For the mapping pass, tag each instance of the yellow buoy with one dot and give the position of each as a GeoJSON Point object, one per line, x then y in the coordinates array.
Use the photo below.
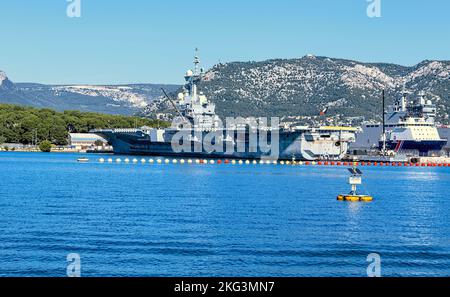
{"type": "Point", "coordinates": [366, 199]}
{"type": "Point", "coordinates": [190, 161]}
{"type": "Point", "coordinates": [182, 161]}
{"type": "Point", "coordinates": [355, 198]}
{"type": "Point", "coordinates": [110, 160]}
{"type": "Point", "coordinates": [151, 161]}
{"type": "Point", "coordinates": [159, 161]}
{"type": "Point", "coordinates": [254, 162]}
{"type": "Point", "coordinates": [354, 180]}
{"type": "Point", "coordinates": [351, 198]}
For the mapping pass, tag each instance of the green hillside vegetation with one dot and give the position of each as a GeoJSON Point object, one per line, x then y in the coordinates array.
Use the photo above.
{"type": "Point", "coordinates": [27, 125]}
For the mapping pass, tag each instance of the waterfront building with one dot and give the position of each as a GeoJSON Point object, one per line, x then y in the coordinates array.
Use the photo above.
{"type": "Point", "coordinates": [84, 141]}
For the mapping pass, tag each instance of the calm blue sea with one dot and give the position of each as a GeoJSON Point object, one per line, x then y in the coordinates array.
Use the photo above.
{"type": "Point", "coordinates": [218, 220]}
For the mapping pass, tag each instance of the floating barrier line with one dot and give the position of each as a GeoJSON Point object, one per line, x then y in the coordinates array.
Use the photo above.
{"type": "Point", "coordinates": [252, 162]}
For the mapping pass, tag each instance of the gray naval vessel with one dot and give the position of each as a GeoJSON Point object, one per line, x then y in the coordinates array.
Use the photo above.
{"type": "Point", "coordinates": [408, 129]}
{"type": "Point", "coordinates": [197, 121]}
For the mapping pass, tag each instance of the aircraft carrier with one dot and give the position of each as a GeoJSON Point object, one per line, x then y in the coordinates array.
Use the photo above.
{"type": "Point", "coordinates": [197, 121]}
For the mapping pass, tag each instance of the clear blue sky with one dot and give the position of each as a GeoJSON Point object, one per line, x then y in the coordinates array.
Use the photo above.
{"type": "Point", "coordinates": [153, 41]}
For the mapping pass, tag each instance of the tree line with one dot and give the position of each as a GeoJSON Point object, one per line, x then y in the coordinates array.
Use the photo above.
{"type": "Point", "coordinates": [28, 125]}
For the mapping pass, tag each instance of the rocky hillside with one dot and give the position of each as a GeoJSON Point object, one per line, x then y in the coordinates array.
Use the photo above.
{"type": "Point", "coordinates": [307, 85]}
{"type": "Point", "coordinates": [120, 99]}
{"type": "Point", "coordinates": [5, 83]}
{"type": "Point", "coordinates": [303, 87]}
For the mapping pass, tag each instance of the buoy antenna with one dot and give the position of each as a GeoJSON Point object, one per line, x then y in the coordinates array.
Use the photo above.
{"type": "Point", "coordinates": [354, 180]}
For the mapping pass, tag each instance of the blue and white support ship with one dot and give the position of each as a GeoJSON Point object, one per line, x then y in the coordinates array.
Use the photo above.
{"type": "Point", "coordinates": [410, 130]}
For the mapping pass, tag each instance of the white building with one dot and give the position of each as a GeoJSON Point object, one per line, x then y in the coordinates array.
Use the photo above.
{"type": "Point", "coordinates": [83, 141]}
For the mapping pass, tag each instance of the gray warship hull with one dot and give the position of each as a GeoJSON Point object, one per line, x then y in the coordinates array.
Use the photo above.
{"type": "Point", "coordinates": [297, 145]}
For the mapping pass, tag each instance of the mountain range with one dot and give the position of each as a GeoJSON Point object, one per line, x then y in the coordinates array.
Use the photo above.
{"type": "Point", "coordinates": [287, 88]}
{"type": "Point", "coordinates": [112, 99]}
